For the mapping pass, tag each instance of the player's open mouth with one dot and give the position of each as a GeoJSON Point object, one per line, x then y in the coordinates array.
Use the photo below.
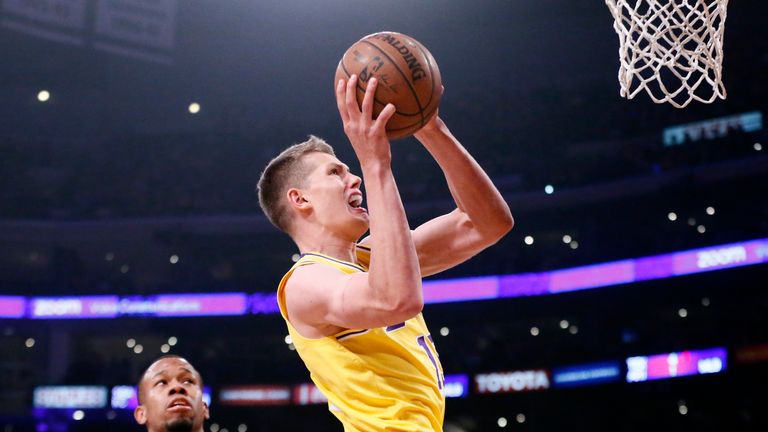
{"type": "Point", "coordinates": [355, 202]}
{"type": "Point", "coordinates": [179, 405]}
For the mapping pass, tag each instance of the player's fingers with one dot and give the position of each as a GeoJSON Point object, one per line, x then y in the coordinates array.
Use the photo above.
{"type": "Point", "coordinates": [351, 96]}
{"type": "Point", "coordinates": [340, 104]}
{"type": "Point", "coordinates": [384, 116]}
{"type": "Point", "coordinates": [370, 91]}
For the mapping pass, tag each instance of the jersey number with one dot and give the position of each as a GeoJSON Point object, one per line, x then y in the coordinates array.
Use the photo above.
{"type": "Point", "coordinates": [432, 357]}
{"type": "Point", "coordinates": [422, 341]}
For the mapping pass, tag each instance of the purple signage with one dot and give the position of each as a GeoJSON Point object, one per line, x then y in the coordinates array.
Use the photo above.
{"type": "Point", "coordinates": [73, 307]}
{"type": "Point", "coordinates": [435, 291]}
{"type": "Point", "coordinates": [12, 307]}
{"type": "Point", "coordinates": [201, 304]}
{"type": "Point", "coordinates": [450, 290]}
{"type": "Point", "coordinates": [264, 304]}
{"type": "Point", "coordinates": [161, 305]}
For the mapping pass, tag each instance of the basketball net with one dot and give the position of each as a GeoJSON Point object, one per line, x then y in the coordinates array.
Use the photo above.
{"type": "Point", "coordinates": [672, 49]}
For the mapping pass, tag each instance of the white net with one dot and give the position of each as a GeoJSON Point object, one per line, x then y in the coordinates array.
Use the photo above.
{"type": "Point", "coordinates": [672, 49]}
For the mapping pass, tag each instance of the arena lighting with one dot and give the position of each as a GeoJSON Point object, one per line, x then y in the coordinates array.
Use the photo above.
{"type": "Point", "coordinates": [43, 96]}
{"type": "Point", "coordinates": [601, 275]}
{"type": "Point", "coordinates": [672, 216]}
{"type": "Point", "coordinates": [757, 146]}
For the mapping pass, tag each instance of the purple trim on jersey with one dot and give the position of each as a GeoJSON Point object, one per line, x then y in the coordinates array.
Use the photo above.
{"type": "Point", "coordinates": [395, 327]}
{"type": "Point", "coordinates": [355, 266]}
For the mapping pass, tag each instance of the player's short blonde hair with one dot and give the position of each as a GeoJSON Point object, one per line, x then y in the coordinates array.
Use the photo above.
{"type": "Point", "coordinates": [286, 171]}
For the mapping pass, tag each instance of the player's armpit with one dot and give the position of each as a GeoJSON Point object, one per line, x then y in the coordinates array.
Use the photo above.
{"type": "Point", "coordinates": [322, 301]}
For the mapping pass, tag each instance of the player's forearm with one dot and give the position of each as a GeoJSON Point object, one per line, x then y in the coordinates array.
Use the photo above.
{"type": "Point", "coordinates": [394, 274]}
{"type": "Point", "coordinates": [472, 189]}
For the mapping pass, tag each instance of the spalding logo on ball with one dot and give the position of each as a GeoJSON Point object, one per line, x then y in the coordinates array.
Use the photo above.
{"type": "Point", "coordinates": [408, 78]}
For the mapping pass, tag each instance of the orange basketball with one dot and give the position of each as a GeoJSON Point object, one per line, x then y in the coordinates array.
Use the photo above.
{"type": "Point", "coordinates": [408, 78]}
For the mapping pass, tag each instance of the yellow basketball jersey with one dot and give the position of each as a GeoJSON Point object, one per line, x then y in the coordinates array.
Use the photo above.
{"type": "Point", "coordinates": [377, 379]}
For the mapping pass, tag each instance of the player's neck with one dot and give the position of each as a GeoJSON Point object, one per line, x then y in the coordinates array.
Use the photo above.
{"type": "Point", "coordinates": [334, 247]}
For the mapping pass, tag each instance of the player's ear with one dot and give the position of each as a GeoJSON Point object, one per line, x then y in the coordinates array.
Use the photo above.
{"type": "Point", "coordinates": [140, 414]}
{"type": "Point", "coordinates": [206, 411]}
{"type": "Point", "coordinates": [297, 199]}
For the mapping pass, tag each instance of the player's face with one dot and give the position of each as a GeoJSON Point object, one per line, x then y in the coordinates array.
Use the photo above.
{"type": "Point", "coordinates": [172, 397]}
{"type": "Point", "coordinates": [335, 196]}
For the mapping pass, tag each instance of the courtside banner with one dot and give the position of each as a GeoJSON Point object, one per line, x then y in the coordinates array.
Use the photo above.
{"type": "Point", "coordinates": [586, 374]}
{"type": "Point", "coordinates": [752, 354]}
{"type": "Point", "coordinates": [254, 395]}
{"type": "Point", "coordinates": [512, 382]}
{"type": "Point", "coordinates": [308, 394]}
{"type": "Point", "coordinates": [456, 386]}
{"type": "Point", "coordinates": [671, 365]}
{"type": "Point", "coordinates": [70, 397]}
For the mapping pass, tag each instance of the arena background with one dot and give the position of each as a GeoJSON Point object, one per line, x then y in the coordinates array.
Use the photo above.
{"type": "Point", "coordinates": [118, 193]}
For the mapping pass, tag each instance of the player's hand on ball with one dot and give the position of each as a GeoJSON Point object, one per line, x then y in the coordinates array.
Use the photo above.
{"type": "Point", "coordinates": [434, 124]}
{"type": "Point", "coordinates": [367, 135]}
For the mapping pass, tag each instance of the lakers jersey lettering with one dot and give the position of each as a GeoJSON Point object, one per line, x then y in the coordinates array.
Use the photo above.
{"type": "Point", "coordinates": [377, 379]}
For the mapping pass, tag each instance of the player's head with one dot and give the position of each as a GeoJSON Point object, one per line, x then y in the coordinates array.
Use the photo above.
{"type": "Point", "coordinates": [307, 184]}
{"type": "Point", "coordinates": [171, 397]}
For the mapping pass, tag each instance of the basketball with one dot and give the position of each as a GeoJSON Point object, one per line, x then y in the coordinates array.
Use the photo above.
{"type": "Point", "coordinates": [408, 78]}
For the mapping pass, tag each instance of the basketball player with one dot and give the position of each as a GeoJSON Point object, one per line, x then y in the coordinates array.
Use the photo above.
{"type": "Point", "coordinates": [353, 308]}
{"type": "Point", "coordinates": [171, 397]}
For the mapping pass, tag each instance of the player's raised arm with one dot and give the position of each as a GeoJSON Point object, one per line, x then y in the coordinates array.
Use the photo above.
{"type": "Point", "coordinates": [481, 216]}
{"type": "Point", "coordinates": [390, 291]}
